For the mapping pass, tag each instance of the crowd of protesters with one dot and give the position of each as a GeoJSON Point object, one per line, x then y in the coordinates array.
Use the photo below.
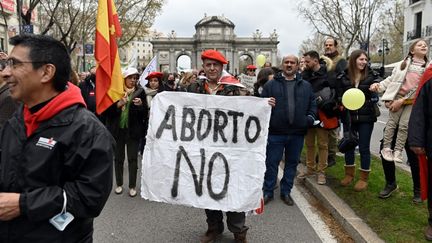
{"type": "Point", "coordinates": [305, 93]}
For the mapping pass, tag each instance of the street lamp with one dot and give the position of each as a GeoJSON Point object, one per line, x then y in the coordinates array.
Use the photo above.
{"type": "Point", "coordinates": [384, 51]}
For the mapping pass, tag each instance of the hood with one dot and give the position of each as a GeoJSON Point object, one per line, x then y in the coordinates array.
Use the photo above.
{"type": "Point", "coordinates": [71, 96]}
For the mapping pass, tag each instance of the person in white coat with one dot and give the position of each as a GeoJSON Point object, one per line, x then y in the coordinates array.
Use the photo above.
{"type": "Point", "coordinates": [399, 90]}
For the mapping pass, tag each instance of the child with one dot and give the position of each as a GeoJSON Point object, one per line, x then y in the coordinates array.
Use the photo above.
{"type": "Point", "coordinates": [399, 90]}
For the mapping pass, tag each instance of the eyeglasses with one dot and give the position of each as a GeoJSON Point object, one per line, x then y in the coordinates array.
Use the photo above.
{"type": "Point", "coordinates": [13, 63]}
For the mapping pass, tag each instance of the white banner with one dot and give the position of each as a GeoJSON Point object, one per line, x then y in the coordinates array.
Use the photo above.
{"type": "Point", "coordinates": [248, 81]}
{"type": "Point", "coordinates": [206, 151]}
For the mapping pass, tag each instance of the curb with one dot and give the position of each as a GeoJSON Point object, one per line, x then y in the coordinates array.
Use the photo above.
{"type": "Point", "coordinates": [345, 216]}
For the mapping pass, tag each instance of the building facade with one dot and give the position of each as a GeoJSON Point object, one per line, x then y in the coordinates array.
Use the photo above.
{"type": "Point", "coordinates": [418, 22]}
{"type": "Point", "coordinates": [214, 32]}
{"type": "Point", "coordinates": [10, 23]}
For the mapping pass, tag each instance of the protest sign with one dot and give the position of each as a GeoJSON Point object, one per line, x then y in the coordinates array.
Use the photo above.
{"type": "Point", "coordinates": [206, 151]}
{"type": "Point", "coordinates": [248, 81]}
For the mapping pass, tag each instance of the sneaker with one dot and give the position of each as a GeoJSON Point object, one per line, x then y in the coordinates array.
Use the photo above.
{"type": "Point", "coordinates": [118, 190]}
{"type": "Point", "coordinates": [388, 190]}
{"type": "Point", "coordinates": [305, 173]}
{"type": "Point", "coordinates": [321, 179]}
{"type": "Point", "coordinates": [132, 192]}
{"type": "Point", "coordinates": [387, 154]}
{"type": "Point", "coordinates": [397, 156]}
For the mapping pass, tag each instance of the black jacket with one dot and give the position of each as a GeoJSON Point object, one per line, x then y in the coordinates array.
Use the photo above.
{"type": "Point", "coordinates": [419, 128]}
{"type": "Point", "coordinates": [367, 112]}
{"type": "Point", "coordinates": [305, 106]}
{"type": "Point", "coordinates": [88, 92]}
{"type": "Point", "coordinates": [71, 151]}
{"type": "Point", "coordinates": [138, 116]}
{"type": "Point", "coordinates": [317, 79]}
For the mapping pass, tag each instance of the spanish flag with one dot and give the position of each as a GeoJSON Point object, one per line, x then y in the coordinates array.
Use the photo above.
{"type": "Point", "coordinates": [109, 80]}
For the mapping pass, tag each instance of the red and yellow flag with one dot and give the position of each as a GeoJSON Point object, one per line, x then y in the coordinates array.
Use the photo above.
{"type": "Point", "coordinates": [109, 80]}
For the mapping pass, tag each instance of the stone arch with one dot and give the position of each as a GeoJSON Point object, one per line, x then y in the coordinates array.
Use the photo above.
{"type": "Point", "coordinates": [213, 32]}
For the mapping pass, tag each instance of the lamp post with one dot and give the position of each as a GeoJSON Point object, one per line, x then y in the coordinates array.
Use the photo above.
{"type": "Point", "coordinates": [384, 51]}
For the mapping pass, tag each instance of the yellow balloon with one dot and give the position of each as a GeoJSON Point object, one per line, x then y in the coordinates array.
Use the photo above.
{"type": "Point", "coordinates": [260, 60]}
{"type": "Point", "coordinates": [353, 99]}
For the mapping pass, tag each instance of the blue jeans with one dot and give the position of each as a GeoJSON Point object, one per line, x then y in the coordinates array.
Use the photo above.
{"type": "Point", "coordinates": [364, 130]}
{"type": "Point", "coordinates": [276, 144]}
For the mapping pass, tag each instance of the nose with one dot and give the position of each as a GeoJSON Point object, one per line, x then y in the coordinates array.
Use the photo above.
{"type": "Point", "coordinates": [6, 72]}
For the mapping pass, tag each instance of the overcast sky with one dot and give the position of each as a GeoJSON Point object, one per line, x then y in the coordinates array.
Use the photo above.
{"type": "Point", "coordinates": [247, 16]}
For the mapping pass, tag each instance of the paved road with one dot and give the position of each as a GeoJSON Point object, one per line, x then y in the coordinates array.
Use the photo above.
{"type": "Point", "coordinates": [131, 220]}
{"type": "Point", "coordinates": [126, 219]}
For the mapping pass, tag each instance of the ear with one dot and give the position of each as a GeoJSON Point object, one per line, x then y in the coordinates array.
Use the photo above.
{"type": "Point", "coordinates": [48, 72]}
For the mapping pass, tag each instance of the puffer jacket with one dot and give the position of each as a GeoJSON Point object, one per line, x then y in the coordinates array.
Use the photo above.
{"type": "Point", "coordinates": [305, 106]}
{"type": "Point", "coordinates": [367, 112]}
{"type": "Point", "coordinates": [73, 152]}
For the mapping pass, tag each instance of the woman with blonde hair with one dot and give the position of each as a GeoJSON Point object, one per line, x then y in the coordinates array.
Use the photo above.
{"type": "Point", "coordinates": [187, 79]}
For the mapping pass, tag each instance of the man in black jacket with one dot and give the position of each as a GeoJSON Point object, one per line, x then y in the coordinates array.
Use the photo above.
{"type": "Point", "coordinates": [56, 159]}
{"type": "Point", "coordinates": [316, 74]}
{"type": "Point", "coordinates": [338, 65]}
{"type": "Point", "coordinates": [294, 109]}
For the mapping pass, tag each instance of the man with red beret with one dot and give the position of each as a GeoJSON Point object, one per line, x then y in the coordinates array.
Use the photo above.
{"type": "Point", "coordinates": [251, 70]}
{"type": "Point", "coordinates": [215, 84]}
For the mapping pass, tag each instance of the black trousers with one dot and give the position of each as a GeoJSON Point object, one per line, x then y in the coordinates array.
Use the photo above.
{"type": "Point", "coordinates": [390, 168]}
{"type": "Point", "coordinates": [235, 220]}
{"type": "Point", "coordinates": [124, 140]}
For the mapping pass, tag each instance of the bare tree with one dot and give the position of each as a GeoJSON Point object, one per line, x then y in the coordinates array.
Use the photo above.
{"type": "Point", "coordinates": [391, 29]}
{"type": "Point", "coordinates": [350, 21]}
{"type": "Point", "coordinates": [27, 11]}
{"type": "Point", "coordinates": [72, 21]}
{"type": "Point", "coordinates": [316, 43]}
{"type": "Point", "coordinates": [136, 17]}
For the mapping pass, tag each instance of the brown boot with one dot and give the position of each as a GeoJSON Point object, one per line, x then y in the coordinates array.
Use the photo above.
{"type": "Point", "coordinates": [362, 183]}
{"type": "Point", "coordinates": [349, 175]}
{"type": "Point", "coordinates": [240, 237]}
{"type": "Point", "coordinates": [212, 233]}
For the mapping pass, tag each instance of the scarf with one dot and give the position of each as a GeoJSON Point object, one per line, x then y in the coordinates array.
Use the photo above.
{"type": "Point", "coordinates": [124, 117]}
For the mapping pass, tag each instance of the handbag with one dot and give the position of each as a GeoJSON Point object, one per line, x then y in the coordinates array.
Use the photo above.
{"type": "Point", "coordinates": [349, 142]}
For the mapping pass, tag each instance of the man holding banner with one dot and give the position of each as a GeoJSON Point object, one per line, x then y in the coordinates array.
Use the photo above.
{"type": "Point", "coordinates": [294, 111]}
{"type": "Point", "coordinates": [208, 151]}
{"type": "Point", "coordinates": [213, 62]}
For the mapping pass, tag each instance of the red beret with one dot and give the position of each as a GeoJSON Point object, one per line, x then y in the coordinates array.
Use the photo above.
{"type": "Point", "coordinates": [213, 55]}
{"type": "Point", "coordinates": [158, 75]}
{"type": "Point", "coordinates": [251, 67]}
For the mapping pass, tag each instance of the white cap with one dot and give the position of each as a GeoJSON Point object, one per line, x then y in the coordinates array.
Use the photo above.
{"type": "Point", "coordinates": [129, 71]}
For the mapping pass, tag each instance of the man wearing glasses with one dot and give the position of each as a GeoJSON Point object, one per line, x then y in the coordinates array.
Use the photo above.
{"type": "Point", "coordinates": [56, 157]}
{"type": "Point", "coordinates": [7, 104]}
